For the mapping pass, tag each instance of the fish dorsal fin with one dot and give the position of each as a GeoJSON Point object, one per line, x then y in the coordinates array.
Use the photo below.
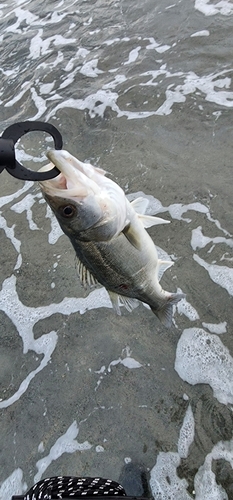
{"type": "Point", "coordinates": [151, 220]}
{"type": "Point", "coordinates": [140, 205]}
{"type": "Point", "coordinates": [117, 300]}
{"type": "Point", "coordinates": [85, 276]}
{"type": "Point", "coordinates": [163, 265]}
{"type": "Point", "coordinates": [132, 236]}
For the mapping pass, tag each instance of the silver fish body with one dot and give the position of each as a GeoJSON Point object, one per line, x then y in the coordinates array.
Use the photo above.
{"type": "Point", "coordinates": [109, 236]}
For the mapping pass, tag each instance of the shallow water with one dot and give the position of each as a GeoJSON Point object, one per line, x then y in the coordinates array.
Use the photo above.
{"type": "Point", "coordinates": [144, 91]}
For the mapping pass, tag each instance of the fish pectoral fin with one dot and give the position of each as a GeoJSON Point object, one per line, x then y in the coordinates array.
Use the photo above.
{"type": "Point", "coordinates": [117, 300]}
{"type": "Point", "coordinates": [140, 205]}
{"type": "Point", "coordinates": [163, 265]}
{"type": "Point", "coordinates": [132, 236]}
{"type": "Point", "coordinates": [165, 312]}
{"type": "Point", "coordinates": [85, 276]}
{"type": "Point", "coordinates": [151, 220]}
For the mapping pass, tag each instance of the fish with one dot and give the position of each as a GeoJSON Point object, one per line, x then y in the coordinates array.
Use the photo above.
{"type": "Point", "coordinates": [109, 235]}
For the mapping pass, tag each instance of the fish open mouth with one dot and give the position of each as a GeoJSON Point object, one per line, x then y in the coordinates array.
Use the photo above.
{"type": "Point", "coordinates": [60, 182]}
{"type": "Point", "coordinates": [74, 181]}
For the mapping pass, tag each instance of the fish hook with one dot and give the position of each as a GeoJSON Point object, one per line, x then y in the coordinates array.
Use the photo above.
{"type": "Point", "coordinates": [7, 151]}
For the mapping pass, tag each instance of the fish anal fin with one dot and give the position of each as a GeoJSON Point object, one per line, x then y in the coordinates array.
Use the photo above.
{"type": "Point", "coordinates": [129, 303]}
{"type": "Point", "coordinates": [140, 205]}
{"type": "Point", "coordinates": [165, 312]}
{"type": "Point", "coordinates": [163, 265]}
{"type": "Point", "coordinates": [85, 276]}
{"type": "Point", "coordinates": [132, 236]}
{"type": "Point", "coordinates": [151, 220]}
{"type": "Point", "coordinates": [114, 297]}
{"type": "Point", "coordinates": [118, 300]}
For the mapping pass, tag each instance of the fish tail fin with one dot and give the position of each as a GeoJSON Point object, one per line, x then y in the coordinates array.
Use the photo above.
{"type": "Point", "coordinates": [165, 312]}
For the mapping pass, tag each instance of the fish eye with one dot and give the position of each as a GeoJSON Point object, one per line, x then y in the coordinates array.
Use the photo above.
{"type": "Point", "coordinates": [67, 210]}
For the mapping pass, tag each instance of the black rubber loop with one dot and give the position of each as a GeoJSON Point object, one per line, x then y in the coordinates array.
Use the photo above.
{"type": "Point", "coordinates": [7, 154]}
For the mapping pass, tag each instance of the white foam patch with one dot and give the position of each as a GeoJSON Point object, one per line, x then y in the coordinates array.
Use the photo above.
{"type": "Point", "coordinates": [99, 449]}
{"type": "Point", "coordinates": [40, 47]}
{"type": "Point", "coordinates": [164, 481]}
{"type": "Point", "coordinates": [225, 257]}
{"type": "Point", "coordinates": [218, 328]}
{"type": "Point", "coordinates": [205, 484]}
{"type": "Point", "coordinates": [177, 210]}
{"type": "Point", "coordinates": [80, 54]}
{"type": "Point", "coordinates": [67, 443]}
{"type": "Point", "coordinates": [223, 7]}
{"type": "Point", "coordinates": [97, 104]}
{"type": "Point", "coordinates": [200, 33]}
{"type": "Point", "coordinates": [55, 231]}
{"type": "Point", "coordinates": [39, 103]}
{"type": "Point", "coordinates": [24, 318]}
{"type": "Point", "coordinates": [184, 307]}
{"type": "Point", "coordinates": [25, 86]}
{"type": "Point", "coordinates": [13, 485]}
{"type": "Point", "coordinates": [22, 156]}
{"type": "Point", "coordinates": [10, 233]}
{"type": "Point", "coordinates": [186, 436]}
{"type": "Point", "coordinates": [198, 239]}
{"type": "Point", "coordinates": [4, 200]}
{"type": "Point", "coordinates": [112, 41]}
{"type": "Point", "coordinates": [90, 69]}
{"type": "Point", "coordinates": [221, 275]}
{"type": "Point", "coordinates": [41, 447]}
{"type": "Point", "coordinates": [156, 46]}
{"type": "Point", "coordinates": [114, 83]}
{"type": "Point", "coordinates": [26, 205]}
{"type": "Point", "coordinates": [201, 358]}
{"type": "Point", "coordinates": [133, 55]}
{"type": "Point", "coordinates": [22, 15]}
{"type": "Point", "coordinates": [215, 86]}
{"type": "Point", "coordinates": [125, 359]}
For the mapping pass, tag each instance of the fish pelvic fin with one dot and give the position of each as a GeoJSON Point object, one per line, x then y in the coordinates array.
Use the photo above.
{"type": "Point", "coordinates": [165, 312]}
{"type": "Point", "coordinates": [118, 300]}
{"type": "Point", "coordinates": [163, 265]}
{"type": "Point", "coordinates": [85, 276]}
{"type": "Point", "coordinates": [132, 236]}
{"type": "Point", "coordinates": [151, 220]}
{"type": "Point", "coordinates": [140, 205]}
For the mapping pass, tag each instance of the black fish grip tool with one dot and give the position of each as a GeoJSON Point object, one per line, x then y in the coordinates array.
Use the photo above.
{"type": "Point", "coordinates": [7, 150]}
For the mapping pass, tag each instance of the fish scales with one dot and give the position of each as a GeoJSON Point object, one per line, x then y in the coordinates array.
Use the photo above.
{"type": "Point", "coordinates": [102, 260]}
